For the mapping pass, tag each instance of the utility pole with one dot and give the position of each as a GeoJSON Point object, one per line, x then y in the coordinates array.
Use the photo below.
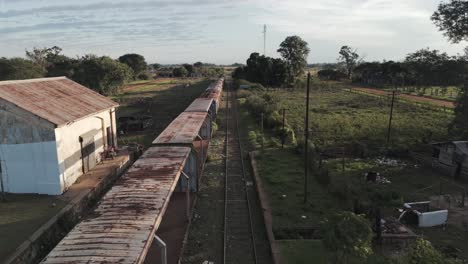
{"type": "Point", "coordinates": [306, 141]}
{"type": "Point", "coordinates": [284, 122]}
{"type": "Point", "coordinates": [264, 39]}
{"type": "Point", "coordinates": [390, 119]}
{"type": "Point", "coordinates": [261, 127]}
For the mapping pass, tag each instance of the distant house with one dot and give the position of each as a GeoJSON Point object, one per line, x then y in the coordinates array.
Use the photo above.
{"type": "Point", "coordinates": [451, 157]}
{"type": "Point", "coordinates": [52, 130]}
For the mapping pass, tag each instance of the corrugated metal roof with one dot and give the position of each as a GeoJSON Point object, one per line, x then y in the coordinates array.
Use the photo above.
{"type": "Point", "coordinates": [122, 227]}
{"type": "Point", "coordinates": [200, 105]}
{"type": "Point", "coordinates": [58, 100]}
{"type": "Point", "coordinates": [182, 130]}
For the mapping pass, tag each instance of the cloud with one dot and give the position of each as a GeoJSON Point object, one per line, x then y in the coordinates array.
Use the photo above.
{"type": "Point", "coordinates": [227, 30]}
{"type": "Point", "coordinates": [111, 5]}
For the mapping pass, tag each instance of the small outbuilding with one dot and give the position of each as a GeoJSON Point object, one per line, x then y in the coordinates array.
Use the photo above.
{"type": "Point", "coordinates": [451, 157]}
{"type": "Point", "coordinates": [52, 130]}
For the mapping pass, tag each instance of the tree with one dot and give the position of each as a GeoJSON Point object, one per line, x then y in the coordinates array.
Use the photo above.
{"type": "Point", "coordinates": [198, 64]}
{"type": "Point", "coordinates": [452, 18]}
{"type": "Point", "coordinates": [60, 65]}
{"type": "Point", "coordinates": [39, 56]}
{"type": "Point", "coordinates": [459, 127]}
{"type": "Point", "coordinates": [102, 74]}
{"type": "Point", "coordinates": [136, 62]}
{"type": "Point", "coordinates": [425, 65]}
{"type": "Point", "coordinates": [347, 234]}
{"type": "Point", "coordinates": [294, 51]}
{"type": "Point", "coordinates": [180, 72]}
{"type": "Point", "coordinates": [265, 70]}
{"type": "Point", "coordinates": [423, 252]}
{"type": "Point", "coordinates": [189, 68]}
{"type": "Point", "coordinates": [156, 66]}
{"type": "Point", "coordinates": [19, 69]}
{"type": "Point", "coordinates": [350, 59]}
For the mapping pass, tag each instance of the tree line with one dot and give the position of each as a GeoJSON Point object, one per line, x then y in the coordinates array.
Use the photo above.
{"type": "Point", "coordinates": [274, 71]}
{"type": "Point", "coordinates": [198, 69]}
{"type": "Point", "coordinates": [100, 73]}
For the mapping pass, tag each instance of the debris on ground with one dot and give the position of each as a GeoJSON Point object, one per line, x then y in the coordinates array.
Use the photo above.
{"type": "Point", "coordinates": [376, 178]}
{"type": "Point", "coordinates": [391, 162]}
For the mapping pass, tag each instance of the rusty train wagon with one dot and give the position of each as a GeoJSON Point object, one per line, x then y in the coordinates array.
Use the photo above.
{"type": "Point", "coordinates": [214, 91]}
{"type": "Point", "coordinates": [204, 105]}
{"type": "Point", "coordinates": [193, 130]}
{"type": "Point", "coordinates": [123, 226]}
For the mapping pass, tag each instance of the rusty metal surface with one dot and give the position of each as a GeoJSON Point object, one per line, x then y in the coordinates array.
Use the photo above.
{"type": "Point", "coordinates": [121, 228]}
{"type": "Point", "coordinates": [184, 129]}
{"type": "Point", "coordinates": [200, 105]}
{"type": "Point", "coordinates": [214, 91]}
{"type": "Point", "coordinates": [57, 100]}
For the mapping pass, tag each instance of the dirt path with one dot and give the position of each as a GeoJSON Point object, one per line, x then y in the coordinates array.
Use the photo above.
{"type": "Point", "coordinates": [415, 98]}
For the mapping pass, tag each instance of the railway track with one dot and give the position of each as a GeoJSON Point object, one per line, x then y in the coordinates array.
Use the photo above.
{"type": "Point", "coordinates": [239, 237]}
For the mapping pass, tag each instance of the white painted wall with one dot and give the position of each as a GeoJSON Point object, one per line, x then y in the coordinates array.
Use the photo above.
{"type": "Point", "coordinates": [69, 149]}
{"type": "Point", "coordinates": [30, 168]}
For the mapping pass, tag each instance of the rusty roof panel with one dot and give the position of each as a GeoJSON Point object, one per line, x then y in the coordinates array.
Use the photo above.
{"type": "Point", "coordinates": [182, 130]}
{"type": "Point", "coordinates": [121, 228]}
{"type": "Point", "coordinates": [58, 100]}
{"type": "Point", "coordinates": [200, 105]}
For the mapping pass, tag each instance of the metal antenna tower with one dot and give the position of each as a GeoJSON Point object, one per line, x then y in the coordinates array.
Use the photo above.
{"type": "Point", "coordinates": [264, 39]}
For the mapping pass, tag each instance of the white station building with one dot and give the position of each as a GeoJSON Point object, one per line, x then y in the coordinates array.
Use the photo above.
{"type": "Point", "coordinates": [52, 130]}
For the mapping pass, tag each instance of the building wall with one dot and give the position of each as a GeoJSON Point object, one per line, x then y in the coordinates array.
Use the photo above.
{"type": "Point", "coordinates": [28, 156]}
{"type": "Point", "coordinates": [69, 147]}
{"type": "Point", "coordinates": [30, 168]}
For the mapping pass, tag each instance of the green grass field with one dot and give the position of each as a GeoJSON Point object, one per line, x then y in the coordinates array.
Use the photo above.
{"type": "Point", "coordinates": [339, 118]}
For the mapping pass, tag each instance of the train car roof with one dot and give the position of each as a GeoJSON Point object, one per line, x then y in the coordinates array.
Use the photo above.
{"type": "Point", "coordinates": [182, 130]}
{"type": "Point", "coordinates": [122, 227]}
{"type": "Point", "coordinates": [200, 105]}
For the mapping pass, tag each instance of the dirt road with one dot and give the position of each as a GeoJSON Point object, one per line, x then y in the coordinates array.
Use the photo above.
{"type": "Point", "coordinates": [415, 98]}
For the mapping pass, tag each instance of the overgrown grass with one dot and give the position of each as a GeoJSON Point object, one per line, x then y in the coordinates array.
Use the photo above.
{"type": "Point", "coordinates": [304, 251]}
{"type": "Point", "coordinates": [339, 118]}
{"type": "Point", "coordinates": [163, 99]}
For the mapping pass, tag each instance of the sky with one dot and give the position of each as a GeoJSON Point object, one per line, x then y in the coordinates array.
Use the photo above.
{"type": "Point", "coordinates": [220, 31]}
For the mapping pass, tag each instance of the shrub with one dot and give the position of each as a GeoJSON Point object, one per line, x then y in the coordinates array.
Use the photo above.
{"type": "Point", "coordinates": [214, 126]}
{"type": "Point", "coordinates": [348, 235]}
{"type": "Point", "coordinates": [253, 138]}
{"type": "Point", "coordinates": [143, 76]}
{"type": "Point", "coordinates": [423, 252]}
{"type": "Point", "coordinates": [287, 135]}
{"type": "Point", "coordinates": [243, 93]}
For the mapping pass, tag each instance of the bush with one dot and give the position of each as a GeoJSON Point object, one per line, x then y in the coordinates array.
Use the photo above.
{"type": "Point", "coordinates": [214, 126]}
{"type": "Point", "coordinates": [348, 235]}
{"type": "Point", "coordinates": [143, 76]}
{"type": "Point", "coordinates": [253, 138]}
{"type": "Point", "coordinates": [243, 93]}
{"type": "Point", "coordinates": [423, 252]}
